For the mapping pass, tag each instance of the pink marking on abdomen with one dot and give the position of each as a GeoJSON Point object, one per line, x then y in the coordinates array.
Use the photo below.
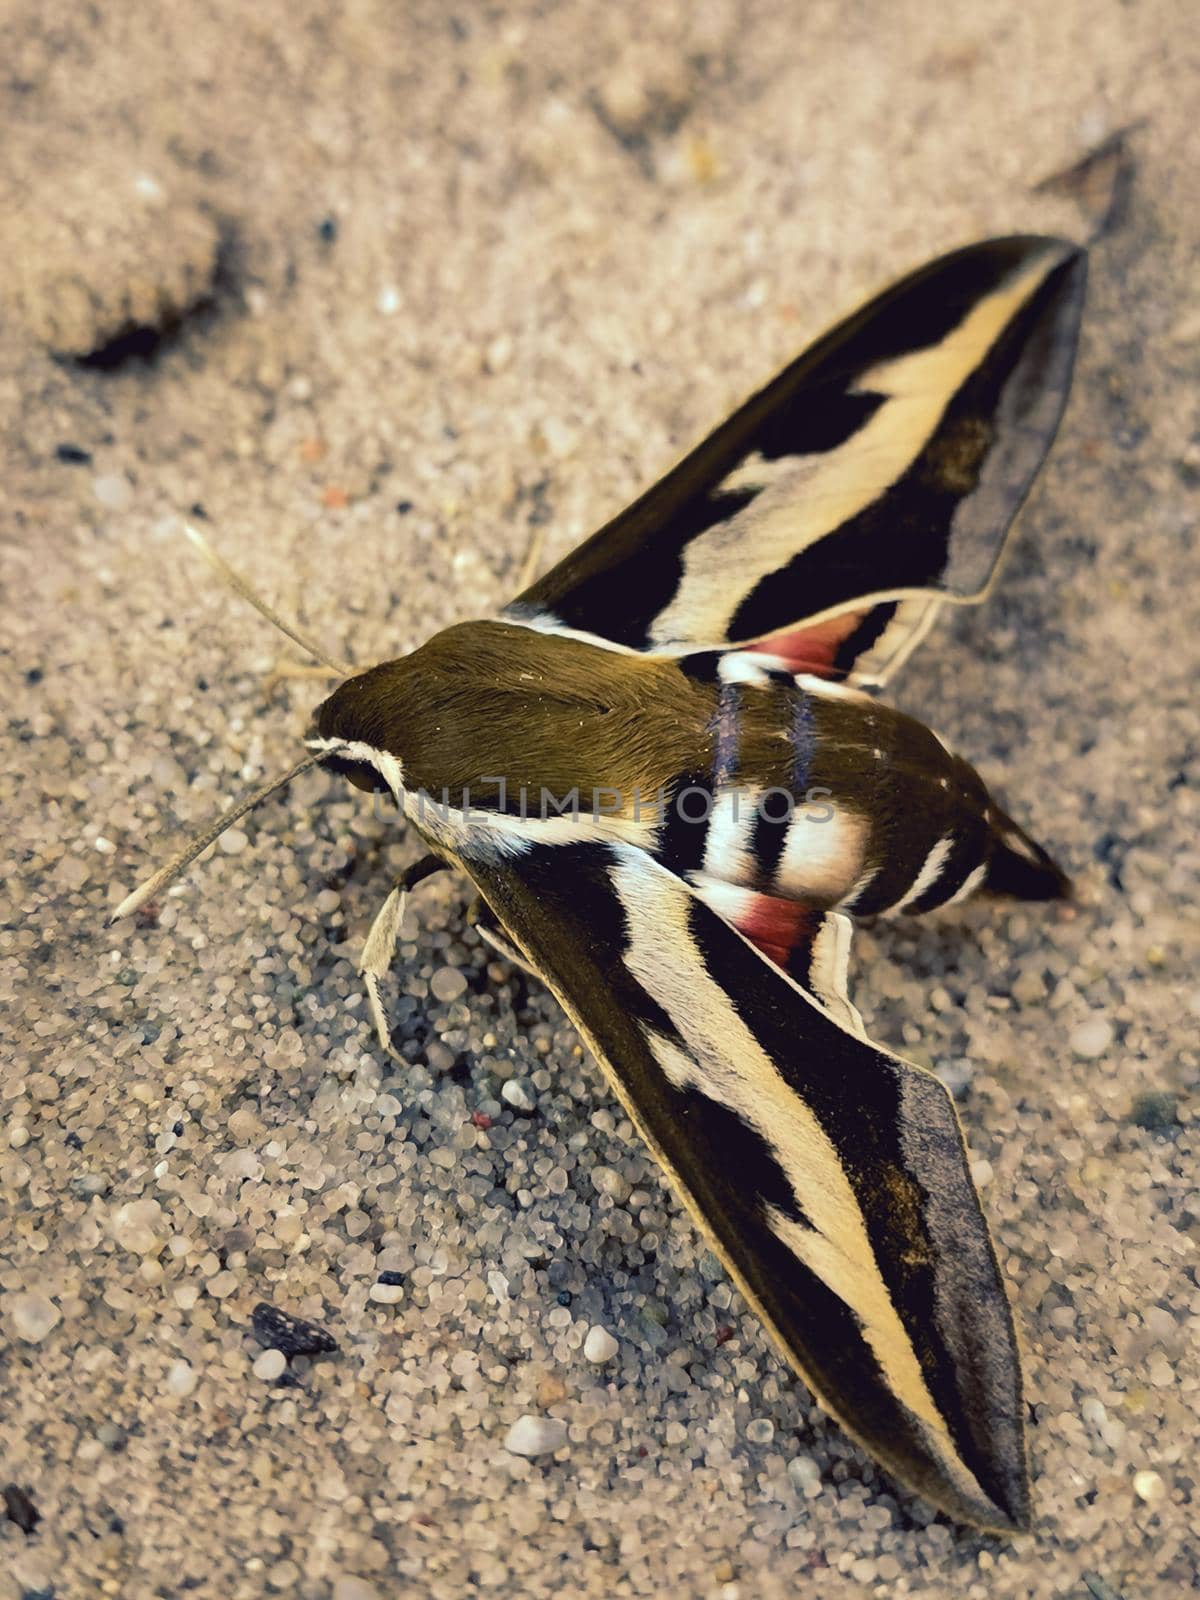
{"type": "Point", "coordinates": [812, 649]}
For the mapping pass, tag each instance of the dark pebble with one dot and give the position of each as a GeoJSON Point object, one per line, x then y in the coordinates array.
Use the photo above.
{"type": "Point", "coordinates": [1154, 1111]}
{"type": "Point", "coordinates": [34, 676]}
{"type": "Point", "coordinates": [276, 1330]}
{"type": "Point", "coordinates": [563, 1297]}
{"type": "Point", "coordinates": [391, 1278]}
{"type": "Point", "coordinates": [73, 455]}
{"type": "Point", "coordinates": [19, 1508]}
{"type": "Point", "coordinates": [328, 230]}
{"type": "Point", "coordinates": [404, 507]}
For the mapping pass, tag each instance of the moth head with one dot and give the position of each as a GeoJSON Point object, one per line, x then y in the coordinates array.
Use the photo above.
{"type": "Point", "coordinates": [358, 732]}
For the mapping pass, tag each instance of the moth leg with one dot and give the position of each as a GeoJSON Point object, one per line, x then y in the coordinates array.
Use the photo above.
{"type": "Point", "coordinates": [482, 919]}
{"type": "Point", "coordinates": [532, 559]}
{"type": "Point", "coordinates": [380, 946]}
{"type": "Point", "coordinates": [304, 670]}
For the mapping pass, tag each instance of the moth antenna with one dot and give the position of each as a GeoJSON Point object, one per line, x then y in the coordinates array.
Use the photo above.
{"type": "Point", "coordinates": [240, 587]}
{"type": "Point", "coordinates": [200, 842]}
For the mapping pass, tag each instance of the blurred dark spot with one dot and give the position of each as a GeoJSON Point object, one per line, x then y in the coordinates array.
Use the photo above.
{"type": "Point", "coordinates": [1154, 1110]}
{"type": "Point", "coordinates": [73, 455]}
{"type": "Point", "coordinates": [327, 231]}
{"type": "Point", "coordinates": [34, 675]}
{"type": "Point", "coordinates": [1110, 849]}
{"type": "Point", "coordinates": [278, 1330]}
{"type": "Point", "coordinates": [404, 507]}
{"type": "Point", "coordinates": [391, 1278]}
{"type": "Point", "coordinates": [19, 1508]}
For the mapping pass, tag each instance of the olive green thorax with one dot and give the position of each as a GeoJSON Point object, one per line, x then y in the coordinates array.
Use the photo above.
{"type": "Point", "coordinates": [488, 700]}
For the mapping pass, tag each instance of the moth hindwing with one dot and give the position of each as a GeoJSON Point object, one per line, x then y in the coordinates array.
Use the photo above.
{"type": "Point", "coordinates": [666, 771]}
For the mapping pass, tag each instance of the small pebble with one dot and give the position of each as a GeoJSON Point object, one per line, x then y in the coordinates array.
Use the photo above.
{"type": "Point", "coordinates": [348, 1588]}
{"type": "Point", "coordinates": [181, 1379]}
{"type": "Point", "coordinates": [270, 1365]}
{"type": "Point", "coordinates": [19, 1508]}
{"type": "Point", "coordinates": [32, 1316]}
{"type": "Point", "coordinates": [608, 1181]}
{"type": "Point", "coordinates": [535, 1436]}
{"type": "Point", "coordinates": [498, 354]}
{"type": "Point", "coordinates": [113, 491]}
{"type": "Point", "coordinates": [140, 1227]}
{"type": "Point", "coordinates": [760, 1431]}
{"type": "Point", "coordinates": [447, 983]}
{"type": "Point", "coordinates": [1149, 1486]}
{"type": "Point", "coordinates": [518, 1094]}
{"type": "Point", "coordinates": [386, 1294]}
{"type": "Point", "coordinates": [278, 1330]}
{"type": "Point", "coordinates": [1092, 1038]}
{"type": "Point", "coordinates": [1154, 1111]}
{"type": "Point", "coordinates": [600, 1346]}
{"type": "Point", "coordinates": [804, 1473]}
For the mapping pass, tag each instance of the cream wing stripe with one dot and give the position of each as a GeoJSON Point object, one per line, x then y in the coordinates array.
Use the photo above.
{"type": "Point", "coordinates": [728, 1065]}
{"type": "Point", "coordinates": [823, 491]}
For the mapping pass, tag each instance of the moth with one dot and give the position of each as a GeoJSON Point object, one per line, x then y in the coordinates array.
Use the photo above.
{"type": "Point", "coordinates": [666, 768]}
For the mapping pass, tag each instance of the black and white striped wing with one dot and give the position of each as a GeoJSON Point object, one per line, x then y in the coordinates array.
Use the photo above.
{"type": "Point", "coordinates": [830, 1175]}
{"type": "Point", "coordinates": [877, 475]}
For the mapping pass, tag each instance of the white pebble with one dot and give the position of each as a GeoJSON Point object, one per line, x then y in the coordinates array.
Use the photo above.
{"type": "Point", "coordinates": [1093, 1413]}
{"type": "Point", "coordinates": [608, 1181]}
{"type": "Point", "coordinates": [181, 1379]}
{"type": "Point", "coordinates": [498, 354]}
{"type": "Point", "coordinates": [981, 1172]}
{"type": "Point", "coordinates": [139, 1226]}
{"type": "Point", "coordinates": [389, 300]}
{"type": "Point", "coordinates": [348, 1588]}
{"type": "Point", "coordinates": [498, 1284]}
{"type": "Point", "coordinates": [233, 841]}
{"type": "Point", "coordinates": [535, 1436]}
{"type": "Point", "coordinates": [760, 1431]}
{"type": "Point", "coordinates": [804, 1473]}
{"type": "Point", "coordinates": [32, 1316]}
{"type": "Point", "coordinates": [518, 1095]}
{"type": "Point", "coordinates": [599, 1346]}
{"type": "Point", "coordinates": [18, 1136]}
{"type": "Point", "coordinates": [386, 1294]}
{"type": "Point", "coordinates": [447, 983]}
{"type": "Point", "coordinates": [1148, 1486]}
{"type": "Point", "coordinates": [112, 490]}
{"type": "Point", "coordinates": [1092, 1038]}
{"type": "Point", "coordinates": [270, 1365]}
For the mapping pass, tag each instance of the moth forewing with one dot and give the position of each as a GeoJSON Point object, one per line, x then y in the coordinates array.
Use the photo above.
{"type": "Point", "coordinates": [886, 462]}
{"type": "Point", "coordinates": [829, 1176]}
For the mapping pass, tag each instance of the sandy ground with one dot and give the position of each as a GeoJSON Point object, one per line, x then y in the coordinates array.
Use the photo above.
{"type": "Point", "coordinates": [474, 272]}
